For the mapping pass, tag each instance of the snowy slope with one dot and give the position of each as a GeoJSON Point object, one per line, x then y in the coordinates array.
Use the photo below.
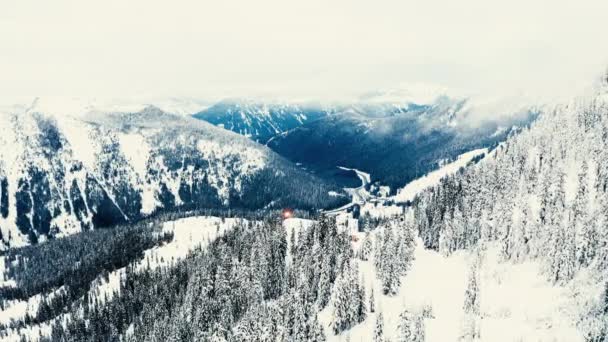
{"type": "Point", "coordinates": [409, 192]}
{"type": "Point", "coordinates": [517, 302]}
{"type": "Point", "coordinates": [539, 205]}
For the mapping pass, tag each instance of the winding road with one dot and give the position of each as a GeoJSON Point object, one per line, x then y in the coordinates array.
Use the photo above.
{"type": "Point", "coordinates": [359, 195]}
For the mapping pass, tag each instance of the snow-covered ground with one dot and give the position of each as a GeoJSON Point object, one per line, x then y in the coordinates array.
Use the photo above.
{"type": "Point", "coordinates": [380, 209]}
{"type": "Point", "coordinates": [516, 301]}
{"type": "Point", "coordinates": [413, 188]}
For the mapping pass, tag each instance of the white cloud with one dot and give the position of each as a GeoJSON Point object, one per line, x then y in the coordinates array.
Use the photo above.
{"type": "Point", "coordinates": [313, 48]}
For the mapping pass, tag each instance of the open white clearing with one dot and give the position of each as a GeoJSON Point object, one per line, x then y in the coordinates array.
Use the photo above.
{"type": "Point", "coordinates": [517, 303]}
{"type": "Point", "coordinates": [413, 188]}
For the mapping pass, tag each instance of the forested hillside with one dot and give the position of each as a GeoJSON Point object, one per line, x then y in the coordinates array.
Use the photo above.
{"type": "Point", "coordinates": [529, 218]}
{"type": "Point", "coordinates": [258, 281]}
{"type": "Point", "coordinates": [542, 195]}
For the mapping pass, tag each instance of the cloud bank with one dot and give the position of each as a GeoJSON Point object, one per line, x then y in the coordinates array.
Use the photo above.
{"type": "Point", "coordinates": [314, 48]}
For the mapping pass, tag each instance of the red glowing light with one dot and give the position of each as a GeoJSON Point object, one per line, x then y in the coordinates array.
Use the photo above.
{"type": "Point", "coordinates": [287, 213]}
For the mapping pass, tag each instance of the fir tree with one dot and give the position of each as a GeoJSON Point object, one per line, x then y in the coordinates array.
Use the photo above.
{"type": "Point", "coordinates": [404, 329]}
{"type": "Point", "coordinates": [378, 335]}
{"type": "Point", "coordinates": [372, 300]}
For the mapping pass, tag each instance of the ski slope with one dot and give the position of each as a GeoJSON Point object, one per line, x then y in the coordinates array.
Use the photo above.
{"type": "Point", "coordinates": [517, 302]}
{"type": "Point", "coordinates": [409, 192]}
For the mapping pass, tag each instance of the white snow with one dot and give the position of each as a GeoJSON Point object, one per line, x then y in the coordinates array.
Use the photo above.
{"type": "Point", "coordinates": [345, 221]}
{"type": "Point", "coordinates": [409, 192]}
{"type": "Point", "coordinates": [222, 155]}
{"type": "Point", "coordinates": [136, 150]}
{"type": "Point", "coordinates": [78, 106]}
{"type": "Point", "coordinates": [517, 303]}
{"type": "Point", "coordinates": [17, 309]}
{"type": "Point", "coordinates": [189, 233]}
{"type": "Point", "coordinates": [380, 209]}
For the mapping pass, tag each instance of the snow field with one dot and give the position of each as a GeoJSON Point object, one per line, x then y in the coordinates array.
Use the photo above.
{"type": "Point", "coordinates": [517, 303]}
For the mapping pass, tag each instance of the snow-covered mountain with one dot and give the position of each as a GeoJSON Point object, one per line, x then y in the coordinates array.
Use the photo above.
{"type": "Point", "coordinates": [394, 142]}
{"type": "Point", "coordinates": [260, 120]}
{"type": "Point", "coordinates": [62, 171]}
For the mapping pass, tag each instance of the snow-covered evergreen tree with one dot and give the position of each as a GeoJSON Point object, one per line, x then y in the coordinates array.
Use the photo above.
{"type": "Point", "coordinates": [378, 335]}
{"type": "Point", "coordinates": [348, 301]}
{"type": "Point", "coordinates": [405, 328]}
{"type": "Point", "coordinates": [471, 306]}
{"type": "Point", "coordinates": [372, 300]}
{"type": "Point", "coordinates": [394, 253]}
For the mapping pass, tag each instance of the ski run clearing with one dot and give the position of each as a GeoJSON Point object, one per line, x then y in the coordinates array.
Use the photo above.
{"type": "Point", "coordinates": [545, 313]}
{"type": "Point", "coordinates": [409, 192]}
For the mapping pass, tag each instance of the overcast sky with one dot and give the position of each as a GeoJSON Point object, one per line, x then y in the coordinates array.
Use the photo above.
{"type": "Point", "coordinates": [308, 48]}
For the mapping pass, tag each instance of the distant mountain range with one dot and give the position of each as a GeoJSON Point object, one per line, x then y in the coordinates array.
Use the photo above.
{"type": "Point", "coordinates": [395, 141]}
{"type": "Point", "coordinates": [260, 121]}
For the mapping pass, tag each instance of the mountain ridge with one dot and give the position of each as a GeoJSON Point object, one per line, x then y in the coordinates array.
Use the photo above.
{"type": "Point", "coordinates": [63, 174]}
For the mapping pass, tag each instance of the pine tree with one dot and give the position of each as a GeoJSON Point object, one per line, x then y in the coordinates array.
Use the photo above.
{"type": "Point", "coordinates": [317, 334]}
{"type": "Point", "coordinates": [471, 294]}
{"type": "Point", "coordinates": [324, 292]}
{"type": "Point", "coordinates": [471, 306]}
{"type": "Point", "coordinates": [348, 300]}
{"type": "Point", "coordinates": [366, 247]}
{"type": "Point", "coordinates": [405, 327]}
{"type": "Point", "coordinates": [360, 301]}
{"type": "Point", "coordinates": [586, 239]}
{"type": "Point", "coordinates": [419, 331]}
{"type": "Point", "coordinates": [340, 306]}
{"type": "Point", "coordinates": [379, 328]}
{"type": "Point", "coordinates": [406, 247]}
{"type": "Point", "coordinates": [372, 300]}
{"type": "Point", "coordinates": [516, 248]}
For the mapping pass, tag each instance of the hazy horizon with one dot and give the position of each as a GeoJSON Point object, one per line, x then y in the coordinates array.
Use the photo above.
{"type": "Point", "coordinates": [311, 50]}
